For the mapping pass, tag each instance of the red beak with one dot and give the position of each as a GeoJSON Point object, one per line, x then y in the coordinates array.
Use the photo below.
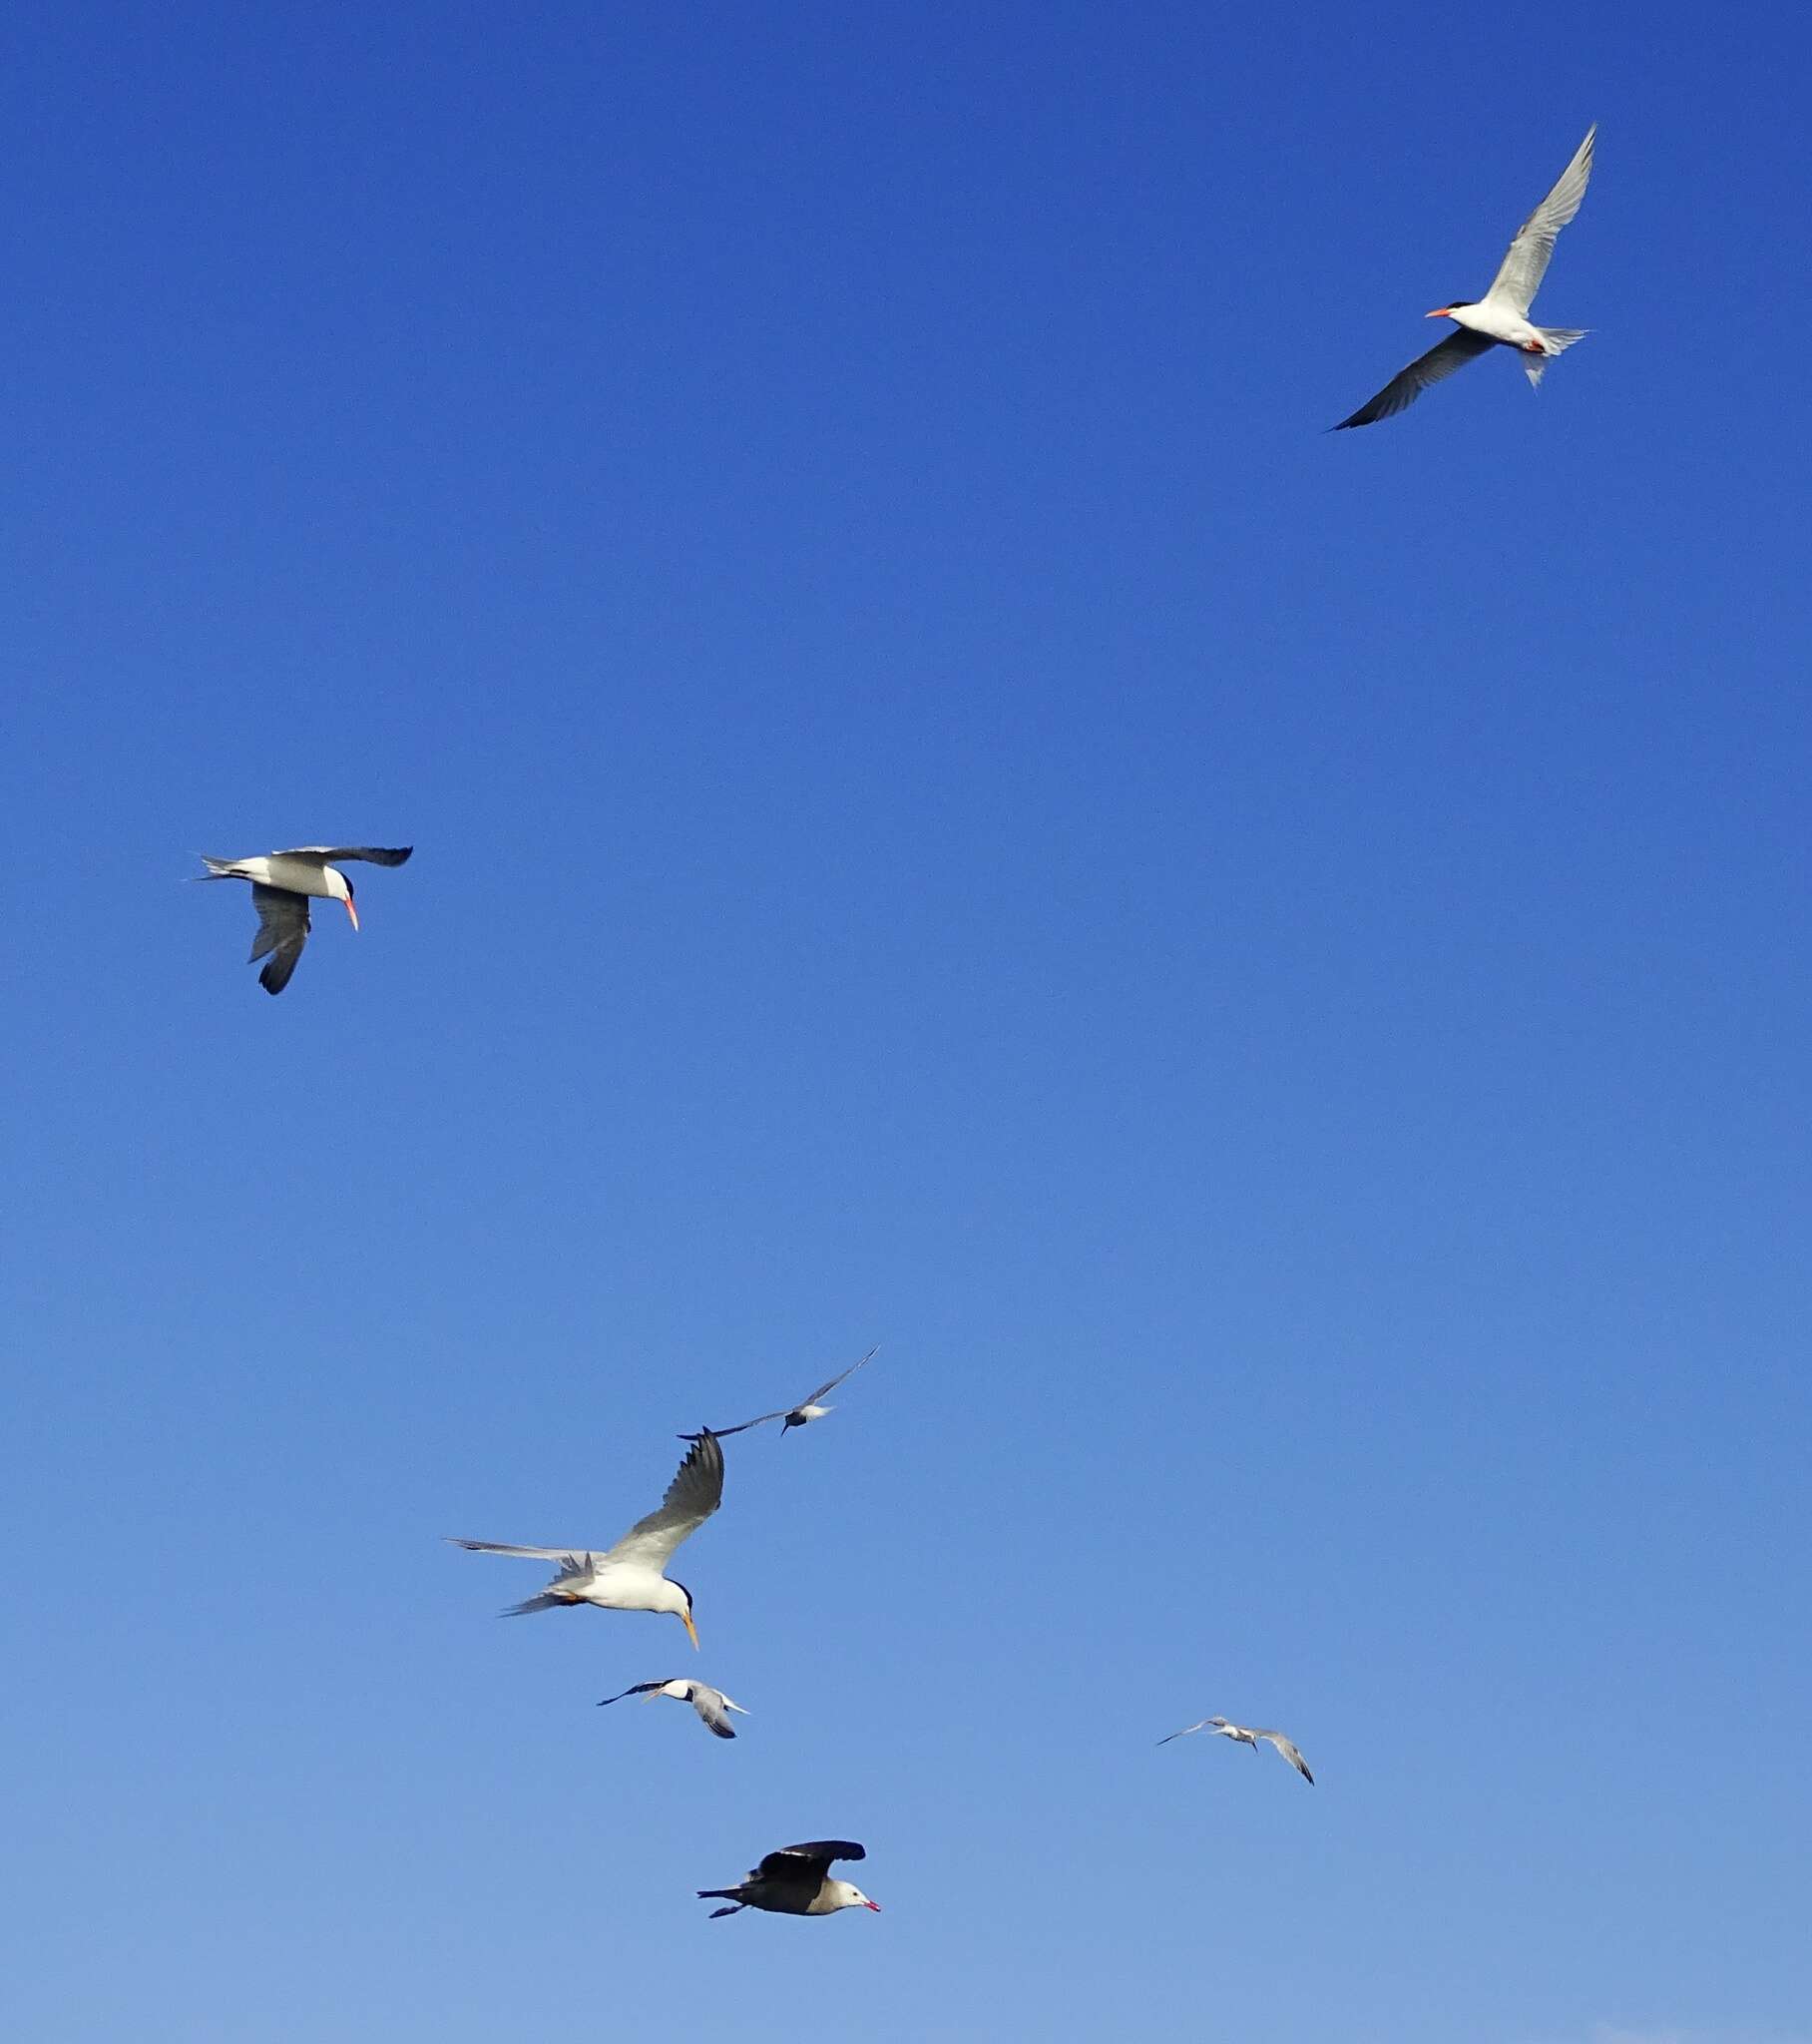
{"type": "Point", "coordinates": [1440, 312]}
{"type": "Point", "coordinates": [352, 911]}
{"type": "Point", "coordinates": [875, 1906]}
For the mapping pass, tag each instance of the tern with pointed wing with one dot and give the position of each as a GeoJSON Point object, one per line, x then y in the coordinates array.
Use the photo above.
{"type": "Point", "coordinates": [801, 1415]}
{"type": "Point", "coordinates": [1247, 1734]}
{"type": "Point", "coordinates": [795, 1882]}
{"type": "Point", "coordinates": [710, 1704]}
{"type": "Point", "coordinates": [1500, 318]}
{"type": "Point", "coordinates": [632, 1576]}
{"type": "Point", "coordinates": [282, 884]}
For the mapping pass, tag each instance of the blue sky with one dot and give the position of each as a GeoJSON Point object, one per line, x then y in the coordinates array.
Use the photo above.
{"type": "Point", "coordinates": [1268, 970]}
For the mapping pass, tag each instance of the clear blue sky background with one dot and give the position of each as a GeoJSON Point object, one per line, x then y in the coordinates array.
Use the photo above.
{"type": "Point", "coordinates": [1269, 970]}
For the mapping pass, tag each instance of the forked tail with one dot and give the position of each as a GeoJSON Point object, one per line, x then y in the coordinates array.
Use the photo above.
{"type": "Point", "coordinates": [1556, 340]}
{"type": "Point", "coordinates": [722, 1896]}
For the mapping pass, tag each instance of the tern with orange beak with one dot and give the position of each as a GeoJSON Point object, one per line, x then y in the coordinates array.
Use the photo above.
{"type": "Point", "coordinates": [632, 1576]}
{"type": "Point", "coordinates": [1500, 318]}
{"type": "Point", "coordinates": [795, 1882]}
{"type": "Point", "coordinates": [281, 882]}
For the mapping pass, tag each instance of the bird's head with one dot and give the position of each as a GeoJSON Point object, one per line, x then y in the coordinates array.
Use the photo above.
{"type": "Point", "coordinates": [846, 1895]}
{"type": "Point", "coordinates": [340, 888]}
{"type": "Point", "coordinates": [677, 1599]}
{"type": "Point", "coordinates": [1448, 312]}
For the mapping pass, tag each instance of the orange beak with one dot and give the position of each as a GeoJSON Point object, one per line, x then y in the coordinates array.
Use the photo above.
{"type": "Point", "coordinates": [352, 911]}
{"type": "Point", "coordinates": [685, 1619]}
{"type": "Point", "coordinates": [1440, 312]}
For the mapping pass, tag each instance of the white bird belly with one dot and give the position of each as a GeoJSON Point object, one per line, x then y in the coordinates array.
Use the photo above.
{"type": "Point", "coordinates": [1495, 322]}
{"type": "Point", "coordinates": [295, 875]}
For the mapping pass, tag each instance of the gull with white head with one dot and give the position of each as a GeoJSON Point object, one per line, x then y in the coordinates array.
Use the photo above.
{"type": "Point", "coordinates": [795, 1882]}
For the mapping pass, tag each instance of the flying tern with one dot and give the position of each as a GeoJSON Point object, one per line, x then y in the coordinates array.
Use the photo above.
{"type": "Point", "coordinates": [281, 882]}
{"type": "Point", "coordinates": [801, 1415]}
{"type": "Point", "coordinates": [632, 1576]}
{"type": "Point", "coordinates": [795, 1882]}
{"type": "Point", "coordinates": [710, 1704]}
{"type": "Point", "coordinates": [1500, 318]}
{"type": "Point", "coordinates": [1247, 1734]}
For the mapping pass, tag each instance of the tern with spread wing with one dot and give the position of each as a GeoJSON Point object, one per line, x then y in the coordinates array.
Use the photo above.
{"type": "Point", "coordinates": [281, 884]}
{"type": "Point", "coordinates": [801, 1415]}
{"type": "Point", "coordinates": [1500, 318]}
{"type": "Point", "coordinates": [632, 1576]}
{"type": "Point", "coordinates": [1247, 1734]}
{"type": "Point", "coordinates": [710, 1704]}
{"type": "Point", "coordinates": [795, 1882]}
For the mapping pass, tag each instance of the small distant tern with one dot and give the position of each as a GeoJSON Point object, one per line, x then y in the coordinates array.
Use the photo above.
{"type": "Point", "coordinates": [710, 1704]}
{"type": "Point", "coordinates": [801, 1415]}
{"type": "Point", "coordinates": [1247, 1734]}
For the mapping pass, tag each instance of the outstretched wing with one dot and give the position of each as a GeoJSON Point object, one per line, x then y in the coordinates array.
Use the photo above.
{"type": "Point", "coordinates": [636, 1689]}
{"type": "Point", "coordinates": [1198, 1726]}
{"type": "Point", "coordinates": [1288, 1747]}
{"type": "Point", "coordinates": [574, 1561]}
{"type": "Point", "coordinates": [329, 854]}
{"type": "Point", "coordinates": [814, 1398]}
{"type": "Point", "coordinates": [803, 1864]}
{"type": "Point", "coordinates": [1523, 269]}
{"type": "Point", "coordinates": [1458, 348]}
{"type": "Point", "coordinates": [282, 931]}
{"type": "Point", "coordinates": [694, 1493]}
{"type": "Point", "coordinates": [721, 1431]}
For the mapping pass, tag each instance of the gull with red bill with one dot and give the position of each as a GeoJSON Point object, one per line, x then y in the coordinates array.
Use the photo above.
{"type": "Point", "coordinates": [632, 1576]}
{"type": "Point", "coordinates": [281, 882]}
{"type": "Point", "coordinates": [1500, 318]}
{"type": "Point", "coordinates": [795, 1882]}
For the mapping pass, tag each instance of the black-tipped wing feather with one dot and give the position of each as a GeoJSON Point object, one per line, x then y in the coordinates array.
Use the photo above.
{"type": "Point", "coordinates": [694, 1493]}
{"type": "Point", "coordinates": [1459, 347]}
{"type": "Point", "coordinates": [282, 931]}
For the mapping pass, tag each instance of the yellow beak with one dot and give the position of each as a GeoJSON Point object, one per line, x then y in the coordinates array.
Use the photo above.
{"type": "Point", "coordinates": [685, 1619]}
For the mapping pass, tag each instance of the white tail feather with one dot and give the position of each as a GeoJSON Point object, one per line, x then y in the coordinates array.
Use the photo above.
{"type": "Point", "coordinates": [1556, 340]}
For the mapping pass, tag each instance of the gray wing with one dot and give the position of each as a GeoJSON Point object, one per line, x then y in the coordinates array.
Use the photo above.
{"type": "Point", "coordinates": [723, 1431]}
{"type": "Point", "coordinates": [1288, 1747]}
{"type": "Point", "coordinates": [1199, 1725]}
{"type": "Point", "coordinates": [637, 1689]}
{"type": "Point", "coordinates": [807, 1863]}
{"type": "Point", "coordinates": [572, 1560]}
{"type": "Point", "coordinates": [282, 931]}
{"type": "Point", "coordinates": [1407, 386]}
{"type": "Point", "coordinates": [812, 1397]}
{"type": "Point", "coordinates": [1523, 269]}
{"type": "Point", "coordinates": [694, 1493]}
{"type": "Point", "coordinates": [329, 854]}
{"type": "Point", "coordinates": [708, 1703]}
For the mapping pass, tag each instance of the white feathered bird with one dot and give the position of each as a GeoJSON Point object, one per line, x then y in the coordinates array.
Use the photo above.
{"type": "Point", "coordinates": [632, 1576]}
{"type": "Point", "coordinates": [1500, 318]}
{"type": "Point", "coordinates": [710, 1704]}
{"type": "Point", "coordinates": [1247, 1734]}
{"type": "Point", "coordinates": [283, 883]}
